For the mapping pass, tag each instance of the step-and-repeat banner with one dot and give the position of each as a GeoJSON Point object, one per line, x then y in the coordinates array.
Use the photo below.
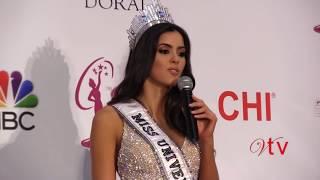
{"type": "Point", "coordinates": [256, 63]}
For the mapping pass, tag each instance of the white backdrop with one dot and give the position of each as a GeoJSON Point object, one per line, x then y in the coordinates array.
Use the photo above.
{"type": "Point", "coordinates": [261, 54]}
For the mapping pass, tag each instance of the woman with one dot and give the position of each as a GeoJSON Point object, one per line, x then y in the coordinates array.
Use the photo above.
{"type": "Point", "coordinates": [141, 133]}
{"type": "Point", "coordinates": [95, 95]}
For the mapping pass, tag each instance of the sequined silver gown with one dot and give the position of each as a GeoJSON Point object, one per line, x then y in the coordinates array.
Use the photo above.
{"type": "Point", "coordinates": [136, 159]}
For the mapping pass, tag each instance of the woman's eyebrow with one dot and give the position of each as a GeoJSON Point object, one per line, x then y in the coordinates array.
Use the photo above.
{"type": "Point", "coordinates": [169, 45]}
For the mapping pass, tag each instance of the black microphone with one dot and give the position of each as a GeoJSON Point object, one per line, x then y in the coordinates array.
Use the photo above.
{"type": "Point", "coordinates": [185, 84]}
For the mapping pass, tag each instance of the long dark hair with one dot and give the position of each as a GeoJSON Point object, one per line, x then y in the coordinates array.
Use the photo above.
{"type": "Point", "coordinates": [139, 67]}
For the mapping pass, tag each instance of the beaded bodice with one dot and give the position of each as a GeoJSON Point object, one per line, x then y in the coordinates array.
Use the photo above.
{"type": "Point", "coordinates": [136, 159]}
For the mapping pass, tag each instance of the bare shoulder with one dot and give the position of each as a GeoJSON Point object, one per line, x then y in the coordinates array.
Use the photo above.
{"type": "Point", "coordinates": [106, 133]}
{"type": "Point", "coordinates": [107, 113]}
{"type": "Point", "coordinates": [107, 122]}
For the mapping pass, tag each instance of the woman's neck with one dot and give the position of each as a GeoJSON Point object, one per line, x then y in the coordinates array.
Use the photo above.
{"type": "Point", "coordinates": [153, 97]}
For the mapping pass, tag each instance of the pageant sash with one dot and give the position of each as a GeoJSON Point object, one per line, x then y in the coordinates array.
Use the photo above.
{"type": "Point", "coordinates": [168, 154]}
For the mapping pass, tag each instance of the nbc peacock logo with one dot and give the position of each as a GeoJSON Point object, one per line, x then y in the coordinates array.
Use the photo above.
{"type": "Point", "coordinates": [21, 91]}
{"type": "Point", "coordinates": [16, 93]}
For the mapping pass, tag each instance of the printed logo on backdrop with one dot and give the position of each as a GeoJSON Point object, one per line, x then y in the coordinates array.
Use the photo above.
{"type": "Point", "coordinates": [260, 102]}
{"type": "Point", "coordinates": [237, 107]}
{"type": "Point", "coordinates": [317, 28]}
{"type": "Point", "coordinates": [126, 5]}
{"type": "Point", "coordinates": [92, 88]}
{"type": "Point", "coordinates": [269, 146]}
{"type": "Point", "coordinates": [275, 146]}
{"type": "Point", "coordinates": [16, 93]}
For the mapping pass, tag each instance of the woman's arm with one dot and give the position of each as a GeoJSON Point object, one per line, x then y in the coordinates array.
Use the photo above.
{"type": "Point", "coordinates": [208, 168]}
{"type": "Point", "coordinates": [206, 121]}
{"type": "Point", "coordinates": [106, 133]}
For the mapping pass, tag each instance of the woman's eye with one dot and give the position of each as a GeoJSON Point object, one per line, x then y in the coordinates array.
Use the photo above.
{"type": "Point", "coordinates": [163, 51]}
{"type": "Point", "coordinates": [182, 54]}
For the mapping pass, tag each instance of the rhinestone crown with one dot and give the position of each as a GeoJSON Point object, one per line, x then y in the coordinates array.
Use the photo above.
{"type": "Point", "coordinates": [152, 14]}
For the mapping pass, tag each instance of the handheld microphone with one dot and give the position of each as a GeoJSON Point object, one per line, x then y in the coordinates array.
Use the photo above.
{"type": "Point", "coordinates": [185, 84]}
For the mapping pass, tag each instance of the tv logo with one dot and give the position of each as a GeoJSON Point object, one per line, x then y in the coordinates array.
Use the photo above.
{"type": "Point", "coordinates": [257, 104]}
{"type": "Point", "coordinates": [21, 98]}
{"type": "Point", "coordinates": [260, 146]}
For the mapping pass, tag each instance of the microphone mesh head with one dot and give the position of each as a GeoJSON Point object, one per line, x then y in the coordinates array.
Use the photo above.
{"type": "Point", "coordinates": [185, 82]}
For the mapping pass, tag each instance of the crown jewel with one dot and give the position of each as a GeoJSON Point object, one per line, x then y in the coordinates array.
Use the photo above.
{"type": "Point", "coordinates": [152, 14]}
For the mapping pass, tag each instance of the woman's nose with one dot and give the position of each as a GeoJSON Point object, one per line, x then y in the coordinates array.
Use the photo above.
{"type": "Point", "coordinates": [175, 58]}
